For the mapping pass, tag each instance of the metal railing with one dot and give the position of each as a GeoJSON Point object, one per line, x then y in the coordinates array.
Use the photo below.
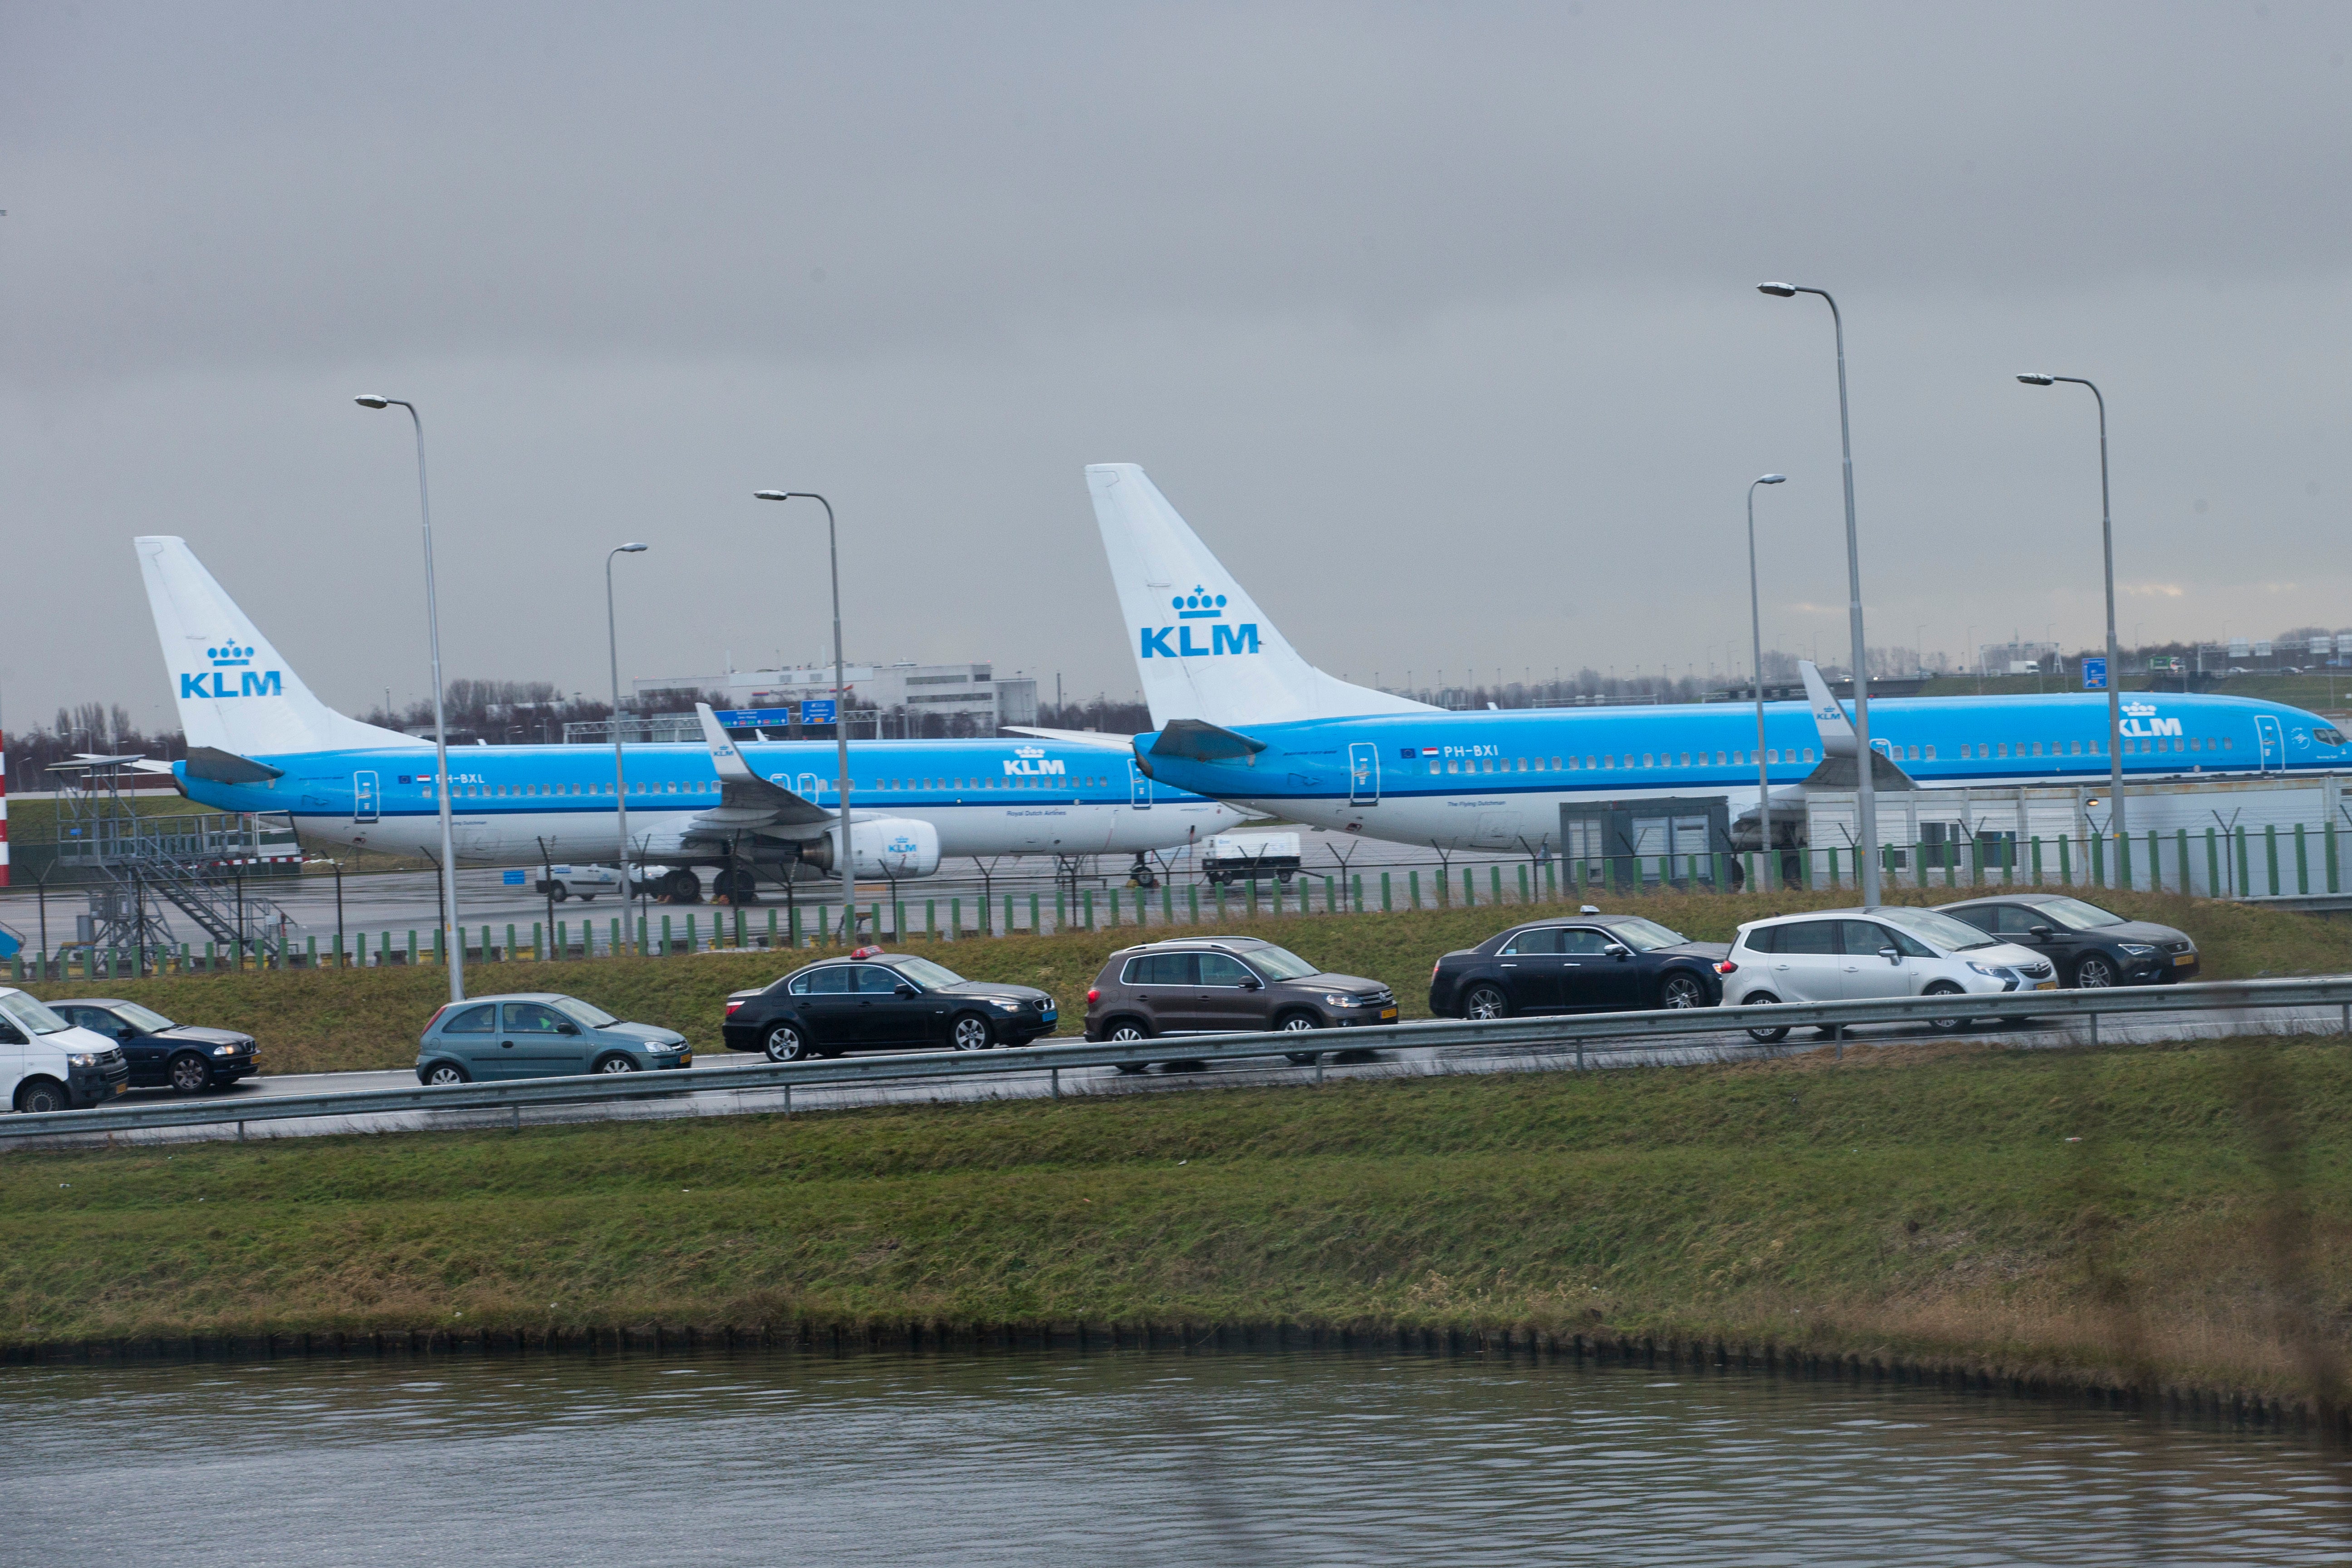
{"type": "Point", "coordinates": [1594, 1034]}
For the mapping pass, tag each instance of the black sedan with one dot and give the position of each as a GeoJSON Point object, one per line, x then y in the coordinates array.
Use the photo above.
{"type": "Point", "coordinates": [876, 1000]}
{"type": "Point", "coordinates": [2091, 946]}
{"type": "Point", "coordinates": [1589, 963]}
{"type": "Point", "coordinates": [185, 1056]}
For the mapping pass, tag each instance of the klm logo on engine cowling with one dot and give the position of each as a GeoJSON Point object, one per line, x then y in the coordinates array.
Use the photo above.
{"type": "Point", "coordinates": [1200, 605]}
{"type": "Point", "coordinates": [2141, 723]}
{"type": "Point", "coordinates": [1032, 761]}
{"type": "Point", "coordinates": [214, 682]}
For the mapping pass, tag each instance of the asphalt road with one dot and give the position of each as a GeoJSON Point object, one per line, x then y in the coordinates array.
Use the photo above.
{"type": "Point", "coordinates": [704, 1091]}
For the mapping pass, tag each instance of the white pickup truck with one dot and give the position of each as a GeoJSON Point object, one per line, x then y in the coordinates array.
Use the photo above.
{"type": "Point", "coordinates": [48, 1064]}
{"type": "Point", "coordinates": [1230, 858]}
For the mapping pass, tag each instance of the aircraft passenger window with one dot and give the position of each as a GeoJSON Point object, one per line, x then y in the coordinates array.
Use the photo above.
{"type": "Point", "coordinates": [1645, 759]}
{"type": "Point", "coordinates": [1915, 754]}
{"type": "Point", "coordinates": [1686, 759]}
{"type": "Point", "coordinates": [1555, 763]}
{"type": "Point", "coordinates": [2196, 744]}
{"type": "Point", "coordinates": [1451, 767]}
{"type": "Point", "coordinates": [2228, 744]}
{"type": "Point", "coordinates": [1931, 753]}
{"type": "Point", "coordinates": [2037, 748]}
{"type": "Point", "coordinates": [1809, 754]}
{"type": "Point", "coordinates": [1771, 755]}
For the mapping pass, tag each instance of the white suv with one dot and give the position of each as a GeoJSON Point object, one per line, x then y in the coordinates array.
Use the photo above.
{"type": "Point", "coordinates": [1847, 955]}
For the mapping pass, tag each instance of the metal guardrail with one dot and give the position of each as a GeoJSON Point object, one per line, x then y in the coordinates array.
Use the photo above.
{"type": "Point", "coordinates": [1599, 1033]}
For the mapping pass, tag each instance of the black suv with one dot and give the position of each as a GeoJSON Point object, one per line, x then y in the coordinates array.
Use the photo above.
{"type": "Point", "coordinates": [874, 999]}
{"type": "Point", "coordinates": [2091, 946]}
{"type": "Point", "coordinates": [1589, 963]}
{"type": "Point", "coordinates": [186, 1056]}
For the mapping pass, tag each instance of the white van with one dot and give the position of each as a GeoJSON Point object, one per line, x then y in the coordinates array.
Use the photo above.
{"type": "Point", "coordinates": [1851, 955]}
{"type": "Point", "coordinates": [47, 1064]}
{"type": "Point", "coordinates": [581, 882]}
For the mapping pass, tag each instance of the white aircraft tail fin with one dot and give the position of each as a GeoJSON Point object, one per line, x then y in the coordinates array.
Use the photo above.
{"type": "Point", "coordinates": [1202, 647]}
{"type": "Point", "coordinates": [236, 694]}
{"type": "Point", "coordinates": [1829, 715]}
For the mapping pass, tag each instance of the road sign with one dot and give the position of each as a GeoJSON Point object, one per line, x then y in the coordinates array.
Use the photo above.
{"type": "Point", "coordinates": [817, 713]}
{"type": "Point", "coordinates": [2094, 675]}
{"type": "Point", "coordinates": [510, 879]}
{"type": "Point", "coordinates": [754, 718]}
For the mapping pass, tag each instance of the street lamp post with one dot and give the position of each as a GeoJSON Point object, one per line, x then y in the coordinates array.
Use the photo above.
{"type": "Point", "coordinates": [620, 773]}
{"type": "Point", "coordinates": [452, 937]}
{"type": "Point", "coordinates": [1756, 628]}
{"type": "Point", "coordinates": [2114, 666]}
{"type": "Point", "coordinates": [1865, 792]}
{"type": "Point", "coordinates": [840, 710]}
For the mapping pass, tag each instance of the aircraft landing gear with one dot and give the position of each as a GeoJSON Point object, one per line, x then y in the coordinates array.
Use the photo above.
{"type": "Point", "coordinates": [682, 886]}
{"type": "Point", "coordinates": [734, 885]}
{"type": "Point", "coordinates": [1140, 874]}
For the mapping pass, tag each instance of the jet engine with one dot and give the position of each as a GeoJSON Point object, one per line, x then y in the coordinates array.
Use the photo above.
{"type": "Point", "coordinates": [883, 847]}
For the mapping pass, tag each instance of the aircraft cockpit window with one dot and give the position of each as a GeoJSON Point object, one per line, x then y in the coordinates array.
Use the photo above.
{"type": "Point", "coordinates": [2329, 737]}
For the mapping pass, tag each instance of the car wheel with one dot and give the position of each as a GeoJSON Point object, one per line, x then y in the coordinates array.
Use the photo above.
{"type": "Point", "coordinates": [2096, 971]}
{"type": "Point", "coordinates": [1124, 1032]}
{"type": "Point", "coordinates": [615, 1063]}
{"type": "Point", "coordinates": [1486, 1002]}
{"type": "Point", "coordinates": [558, 892]}
{"type": "Point", "coordinates": [41, 1096]}
{"type": "Point", "coordinates": [1945, 1025]}
{"type": "Point", "coordinates": [1682, 991]}
{"type": "Point", "coordinates": [786, 1044]}
{"type": "Point", "coordinates": [190, 1073]}
{"type": "Point", "coordinates": [444, 1073]}
{"type": "Point", "coordinates": [971, 1032]}
{"type": "Point", "coordinates": [1764, 1036]}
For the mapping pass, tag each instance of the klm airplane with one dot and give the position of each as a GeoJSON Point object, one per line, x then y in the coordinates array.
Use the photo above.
{"type": "Point", "coordinates": [259, 740]}
{"type": "Point", "coordinates": [1242, 717]}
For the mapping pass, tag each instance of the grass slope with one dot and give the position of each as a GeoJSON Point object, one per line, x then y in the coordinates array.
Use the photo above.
{"type": "Point", "coordinates": [1925, 1200]}
{"type": "Point", "coordinates": [329, 1020]}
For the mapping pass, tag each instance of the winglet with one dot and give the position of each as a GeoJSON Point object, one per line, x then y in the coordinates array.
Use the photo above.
{"type": "Point", "coordinates": [723, 754]}
{"type": "Point", "coordinates": [1829, 716]}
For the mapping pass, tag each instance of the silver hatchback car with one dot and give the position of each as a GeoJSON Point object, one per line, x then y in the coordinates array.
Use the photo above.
{"type": "Point", "coordinates": [538, 1034]}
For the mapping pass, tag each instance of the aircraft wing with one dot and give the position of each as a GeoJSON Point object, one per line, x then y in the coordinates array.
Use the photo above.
{"type": "Point", "coordinates": [747, 803]}
{"type": "Point", "coordinates": [1088, 738]}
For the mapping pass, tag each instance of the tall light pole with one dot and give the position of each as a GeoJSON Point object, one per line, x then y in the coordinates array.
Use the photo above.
{"type": "Point", "coordinates": [840, 708]}
{"type": "Point", "coordinates": [1866, 790]}
{"type": "Point", "coordinates": [453, 940]}
{"type": "Point", "coordinates": [620, 774]}
{"type": "Point", "coordinates": [1756, 628]}
{"type": "Point", "coordinates": [2114, 666]}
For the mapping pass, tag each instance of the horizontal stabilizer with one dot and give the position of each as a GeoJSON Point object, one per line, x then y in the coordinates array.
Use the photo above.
{"type": "Point", "coordinates": [216, 766]}
{"type": "Point", "coordinates": [1093, 739]}
{"type": "Point", "coordinates": [1197, 741]}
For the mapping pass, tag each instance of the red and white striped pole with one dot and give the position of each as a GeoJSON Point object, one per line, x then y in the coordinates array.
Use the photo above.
{"type": "Point", "coordinates": [4, 810]}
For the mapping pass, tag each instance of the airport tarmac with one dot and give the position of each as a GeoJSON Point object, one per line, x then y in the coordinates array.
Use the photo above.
{"type": "Point", "coordinates": [399, 901]}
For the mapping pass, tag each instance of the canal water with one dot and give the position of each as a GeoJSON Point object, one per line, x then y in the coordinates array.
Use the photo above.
{"type": "Point", "coordinates": [1124, 1458]}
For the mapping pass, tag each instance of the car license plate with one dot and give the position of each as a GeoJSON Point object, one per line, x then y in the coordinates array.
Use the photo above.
{"type": "Point", "coordinates": [2046, 986]}
{"type": "Point", "coordinates": [1389, 1013]}
{"type": "Point", "coordinates": [2180, 958]}
{"type": "Point", "coordinates": [686, 1060]}
{"type": "Point", "coordinates": [121, 1087]}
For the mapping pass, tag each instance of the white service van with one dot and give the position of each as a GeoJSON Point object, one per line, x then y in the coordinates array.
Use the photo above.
{"type": "Point", "coordinates": [47, 1064]}
{"type": "Point", "coordinates": [581, 882]}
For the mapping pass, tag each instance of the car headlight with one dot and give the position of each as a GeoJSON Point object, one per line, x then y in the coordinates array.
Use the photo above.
{"type": "Point", "coordinates": [224, 1050]}
{"type": "Point", "coordinates": [1337, 999]}
{"type": "Point", "coordinates": [1991, 971]}
{"type": "Point", "coordinates": [1008, 1006]}
{"type": "Point", "coordinates": [2137, 949]}
{"type": "Point", "coordinates": [83, 1059]}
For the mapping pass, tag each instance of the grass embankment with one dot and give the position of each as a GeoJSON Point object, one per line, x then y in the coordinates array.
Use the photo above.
{"type": "Point", "coordinates": [1925, 1200]}
{"type": "Point", "coordinates": [330, 1020]}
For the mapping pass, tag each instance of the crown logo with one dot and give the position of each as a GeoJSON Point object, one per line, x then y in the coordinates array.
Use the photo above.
{"type": "Point", "coordinates": [1198, 604]}
{"type": "Point", "coordinates": [1028, 751]}
{"type": "Point", "coordinates": [228, 655]}
{"type": "Point", "coordinates": [2140, 709]}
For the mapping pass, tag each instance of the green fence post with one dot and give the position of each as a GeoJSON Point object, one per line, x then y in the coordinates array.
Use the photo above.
{"type": "Point", "coordinates": [930, 919]}
{"type": "Point", "coordinates": [412, 948]}
{"type": "Point", "coordinates": [1167, 903]}
{"type": "Point", "coordinates": [1834, 867]}
{"type": "Point", "coordinates": [1469, 888]}
{"type": "Point", "coordinates": [2327, 848]}
{"type": "Point", "coordinates": [1249, 898]}
{"type": "Point", "coordinates": [2065, 861]}
{"type": "Point", "coordinates": [2270, 854]}
{"type": "Point", "coordinates": [1192, 902]}
{"type": "Point", "coordinates": [2187, 885]}
{"type": "Point", "coordinates": [2212, 864]}
{"type": "Point", "coordinates": [1495, 876]}
{"type": "Point", "coordinates": [2124, 861]}
{"type": "Point", "coordinates": [1356, 891]}
{"type": "Point", "coordinates": [1087, 900]}
{"type": "Point", "coordinates": [508, 951]}
{"type": "Point", "coordinates": [1551, 881]}
{"type": "Point", "coordinates": [2301, 862]}
{"type": "Point", "coordinates": [955, 918]}
{"type": "Point", "coordinates": [2098, 847]}
{"type": "Point", "coordinates": [1060, 910]}
{"type": "Point", "coordinates": [771, 925]}
{"type": "Point", "coordinates": [667, 938]}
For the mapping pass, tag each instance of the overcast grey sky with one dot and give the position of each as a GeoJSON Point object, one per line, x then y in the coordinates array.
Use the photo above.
{"type": "Point", "coordinates": [1438, 322]}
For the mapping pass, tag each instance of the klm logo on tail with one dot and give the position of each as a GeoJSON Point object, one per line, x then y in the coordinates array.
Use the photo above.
{"type": "Point", "coordinates": [250, 682]}
{"type": "Point", "coordinates": [1199, 606]}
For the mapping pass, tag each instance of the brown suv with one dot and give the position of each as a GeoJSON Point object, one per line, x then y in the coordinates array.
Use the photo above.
{"type": "Point", "coordinates": [1219, 985]}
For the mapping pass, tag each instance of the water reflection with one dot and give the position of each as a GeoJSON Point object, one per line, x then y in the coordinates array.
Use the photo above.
{"type": "Point", "coordinates": [786, 1458]}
